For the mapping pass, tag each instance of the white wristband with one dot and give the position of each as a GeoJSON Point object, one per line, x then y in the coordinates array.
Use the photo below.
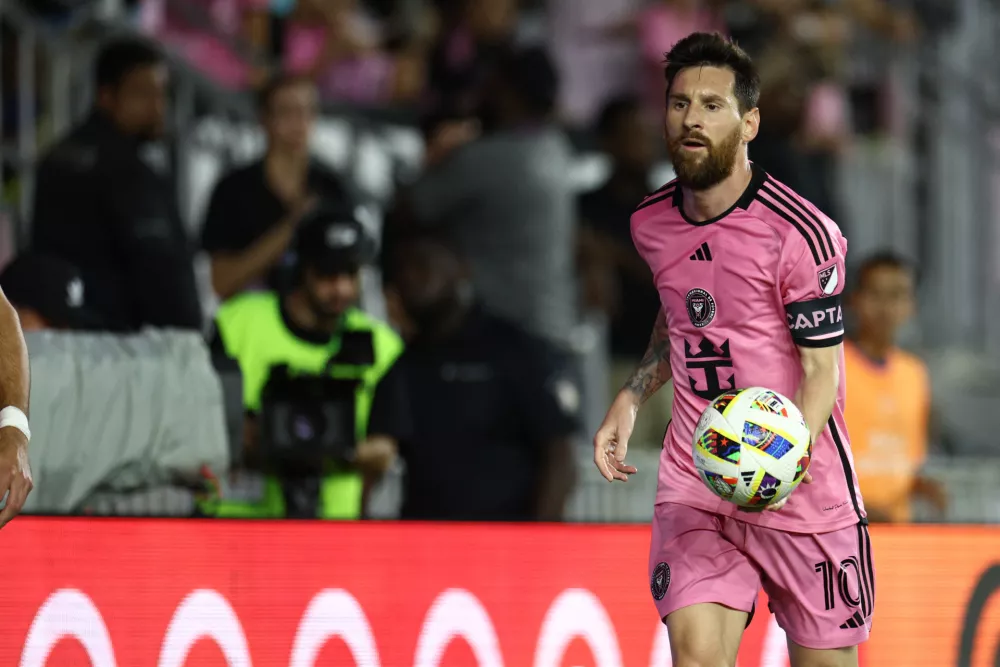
{"type": "Point", "coordinates": [11, 416]}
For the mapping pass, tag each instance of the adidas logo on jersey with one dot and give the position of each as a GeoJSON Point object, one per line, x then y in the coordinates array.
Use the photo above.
{"type": "Point", "coordinates": [703, 254]}
{"type": "Point", "coordinates": [855, 621]}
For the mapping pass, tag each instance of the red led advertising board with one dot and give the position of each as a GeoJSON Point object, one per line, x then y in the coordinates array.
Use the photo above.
{"type": "Point", "coordinates": [173, 593]}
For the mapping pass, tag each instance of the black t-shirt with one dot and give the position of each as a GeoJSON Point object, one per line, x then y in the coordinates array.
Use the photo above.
{"type": "Point", "coordinates": [607, 214]}
{"type": "Point", "coordinates": [473, 415]}
{"type": "Point", "coordinates": [243, 208]}
{"type": "Point", "coordinates": [105, 204]}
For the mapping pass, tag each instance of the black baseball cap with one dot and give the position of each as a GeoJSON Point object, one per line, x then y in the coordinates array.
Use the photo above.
{"type": "Point", "coordinates": [51, 286]}
{"type": "Point", "coordinates": [332, 241]}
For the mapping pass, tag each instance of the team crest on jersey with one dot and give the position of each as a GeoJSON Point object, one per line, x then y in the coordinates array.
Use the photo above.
{"type": "Point", "coordinates": [660, 581]}
{"type": "Point", "coordinates": [700, 307]}
{"type": "Point", "coordinates": [828, 279]}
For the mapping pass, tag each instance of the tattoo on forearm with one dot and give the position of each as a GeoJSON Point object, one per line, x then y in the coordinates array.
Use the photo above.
{"type": "Point", "coordinates": [654, 370]}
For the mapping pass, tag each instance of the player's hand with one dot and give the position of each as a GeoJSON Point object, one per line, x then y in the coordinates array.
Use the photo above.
{"type": "Point", "coordinates": [806, 479]}
{"type": "Point", "coordinates": [611, 441]}
{"type": "Point", "coordinates": [15, 472]}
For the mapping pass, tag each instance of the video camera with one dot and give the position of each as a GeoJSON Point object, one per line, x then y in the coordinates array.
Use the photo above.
{"type": "Point", "coordinates": [308, 421]}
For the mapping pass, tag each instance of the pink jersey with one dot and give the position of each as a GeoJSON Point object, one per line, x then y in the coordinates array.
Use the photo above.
{"type": "Point", "coordinates": [740, 293]}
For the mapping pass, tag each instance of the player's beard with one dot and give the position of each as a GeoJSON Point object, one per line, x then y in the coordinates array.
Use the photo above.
{"type": "Point", "coordinates": [700, 172]}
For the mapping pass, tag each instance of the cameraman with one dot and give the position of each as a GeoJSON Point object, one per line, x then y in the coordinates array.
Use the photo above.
{"type": "Point", "coordinates": [311, 330]}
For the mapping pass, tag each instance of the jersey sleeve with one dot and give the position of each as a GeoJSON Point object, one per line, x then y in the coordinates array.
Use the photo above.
{"type": "Point", "coordinates": [812, 281]}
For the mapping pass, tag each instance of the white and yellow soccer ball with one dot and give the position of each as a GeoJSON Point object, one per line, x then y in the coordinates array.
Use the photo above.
{"type": "Point", "coordinates": [752, 447]}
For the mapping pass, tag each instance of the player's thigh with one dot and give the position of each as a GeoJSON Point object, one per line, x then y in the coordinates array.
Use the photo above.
{"type": "Point", "coordinates": [799, 656]}
{"type": "Point", "coordinates": [705, 635]}
{"type": "Point", "coordinates": [692, 561]}
{"type": "Point", "coordinates": [821, 587]}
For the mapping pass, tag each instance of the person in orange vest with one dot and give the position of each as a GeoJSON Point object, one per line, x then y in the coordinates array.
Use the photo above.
{"type": "Point", "coordinates": [888, 405]}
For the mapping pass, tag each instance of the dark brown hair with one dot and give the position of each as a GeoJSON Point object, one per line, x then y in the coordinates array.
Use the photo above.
{"type": "Point", "coordinates": [883, 259]}
{"type": "Point", "coordinates": [118, 58]}
{"type": "Point", "coordinates": [705, 49]}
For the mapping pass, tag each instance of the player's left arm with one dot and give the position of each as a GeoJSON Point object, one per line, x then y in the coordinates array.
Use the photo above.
{"type": "Point", "coordinates": [15, 380]}
{"type": "Point", "coordinates": [820, 381]}
{"type": "Point", "coordinates": [811, 279]}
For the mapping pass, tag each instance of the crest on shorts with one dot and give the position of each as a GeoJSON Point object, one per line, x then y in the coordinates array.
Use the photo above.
{"type": "Point", "coordinates": [700, 307]}
{"type": "Point", "coordinates": [660, 581]}
{"type": "Point", "coordinates": [828, 279]}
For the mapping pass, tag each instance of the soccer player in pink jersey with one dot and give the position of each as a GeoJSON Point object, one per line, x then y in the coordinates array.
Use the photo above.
{"type": "Point", "coordinates": [750, 277]}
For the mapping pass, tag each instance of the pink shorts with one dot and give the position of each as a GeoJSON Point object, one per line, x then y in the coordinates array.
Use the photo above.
{"type": "Point", "coordinates": [821, 588]}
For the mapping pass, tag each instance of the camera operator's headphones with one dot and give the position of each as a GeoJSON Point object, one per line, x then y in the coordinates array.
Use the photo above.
{"type": "Point", "coordinates": [332, 240]}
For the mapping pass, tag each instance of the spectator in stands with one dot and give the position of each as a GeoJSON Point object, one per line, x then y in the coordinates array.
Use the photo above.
{"type": "Point", "coordinates": [255, 210]}
{"type": "Point", "coordinates": [800, 68]}
{"type": "Point", "coordinates": [659, 26]}
{"type": "Point", "coordinates": [803, 50]}
{"type": "Point", "coordinates": [889, 402]}
{"type": "Point", "coordinates": [338, 45]}
{"type": "Point", "coordinates": [596, 51]}
{"type": "Point", "coordinates": [104, 202]}
{"type": "Point", "coordinates": [507, 200]}
{"type": "Point", "coordinates": [615, 280]}
{"type": "Point", "coordinates": [474, 35]}
{"type": "Point", "coordinates": [47, 293]}
{"type": "Point", "coordinates": [227, 40]}
{"type": "Point", "coordinates": [305, 329]}
{"type": "Point", "coordinates": [482, 413]}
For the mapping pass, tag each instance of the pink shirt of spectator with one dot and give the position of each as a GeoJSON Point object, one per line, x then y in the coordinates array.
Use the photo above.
{"type": "Point", "coordinates": [826, 111]}
{"type": "Point", "coordinates": [595, 64]}
{"type": "Point", "coordinates": [364, 79]}
{"type": "Point", "coordinates": [741, 292]}
{"type": "Point", "coordinates": [205, 51]}
{"type": "Point", "coordinates": [661, 25]}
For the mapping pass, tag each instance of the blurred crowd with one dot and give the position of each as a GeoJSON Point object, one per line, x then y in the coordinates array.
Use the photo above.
{"type": "Point", "coordinates": [489, 259]}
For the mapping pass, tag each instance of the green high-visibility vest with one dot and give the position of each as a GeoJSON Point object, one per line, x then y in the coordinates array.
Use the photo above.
{"type": "Point", "coordinates": [255, 335]}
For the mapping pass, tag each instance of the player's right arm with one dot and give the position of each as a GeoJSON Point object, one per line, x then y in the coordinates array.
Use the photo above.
{"type": "Point", "coordinates": [15, 472]}
{"type": "Point", "coordinates": [611, 441]}
{"type": "Point", "coordinates": [654, 370]}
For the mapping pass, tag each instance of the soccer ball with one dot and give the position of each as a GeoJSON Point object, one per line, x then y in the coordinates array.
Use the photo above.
{"type": "Point", "coordinates": [752, 447]}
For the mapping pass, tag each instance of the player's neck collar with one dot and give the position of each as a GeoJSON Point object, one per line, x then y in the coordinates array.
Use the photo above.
{"type": "Point", "coordinates": [757, 178]}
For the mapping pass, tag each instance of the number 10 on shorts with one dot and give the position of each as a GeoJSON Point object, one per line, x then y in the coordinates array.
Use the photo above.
{"type": "Point", "coordinates": [848, 573]}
